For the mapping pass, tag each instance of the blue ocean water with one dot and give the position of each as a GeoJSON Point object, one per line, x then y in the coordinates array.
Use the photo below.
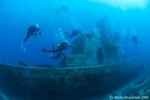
{"type": "Point", "coordinates": [17, 15]}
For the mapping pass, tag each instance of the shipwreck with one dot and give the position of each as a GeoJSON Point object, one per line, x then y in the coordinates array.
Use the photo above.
{"type": "Point", "coordinates": [95, 67]}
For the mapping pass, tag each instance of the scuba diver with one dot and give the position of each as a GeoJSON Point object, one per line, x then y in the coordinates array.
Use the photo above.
{"type": "Point", "coordinates": [74, 33]}
{"type": "Point", "coordinates": [62, 8]}
{"type": "Point", "coordinates": [135, 40]}
{"type": "Point", "coordinates": [32, 31]}
{"type": "Point", "coordinates": [59, 50]}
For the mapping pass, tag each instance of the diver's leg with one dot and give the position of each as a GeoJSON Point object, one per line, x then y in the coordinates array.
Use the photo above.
{"type": "Point", "coordinates": [27, 37]}
{"type": "Point", "coordinates": [57, 55]}
{"type": "Point", "coordinates": [23, 47]}
{"type": "Point", "coordinates": [22, 44]}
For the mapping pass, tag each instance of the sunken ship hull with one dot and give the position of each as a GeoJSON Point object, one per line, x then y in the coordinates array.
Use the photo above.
{"type": "Point", "coordinates": [39, 83]}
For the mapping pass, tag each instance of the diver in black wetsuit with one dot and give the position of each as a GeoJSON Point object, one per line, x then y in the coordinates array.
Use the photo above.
{"type": "Point", "coordinates": [135, 40]}
{"type": "Point", "coordinates": [60, 48]}
{"type": "Point", "coordinates": [62, 8]}
{"type": "Point", "coordinates": [32, 31]}
{"type": "Point", "coordinates": [58, 51]}
{"type": "Point", "coordinates": [74, 33]}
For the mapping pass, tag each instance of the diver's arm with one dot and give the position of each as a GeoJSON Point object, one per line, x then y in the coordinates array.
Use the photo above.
{"type": "Point", "coordinates": [36, 32]}
{"type": "Point", "coordinates": [45, 50]}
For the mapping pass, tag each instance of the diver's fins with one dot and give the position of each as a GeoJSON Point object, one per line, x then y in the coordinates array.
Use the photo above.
{"type": "Point", "coordinates": [23, 47]}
